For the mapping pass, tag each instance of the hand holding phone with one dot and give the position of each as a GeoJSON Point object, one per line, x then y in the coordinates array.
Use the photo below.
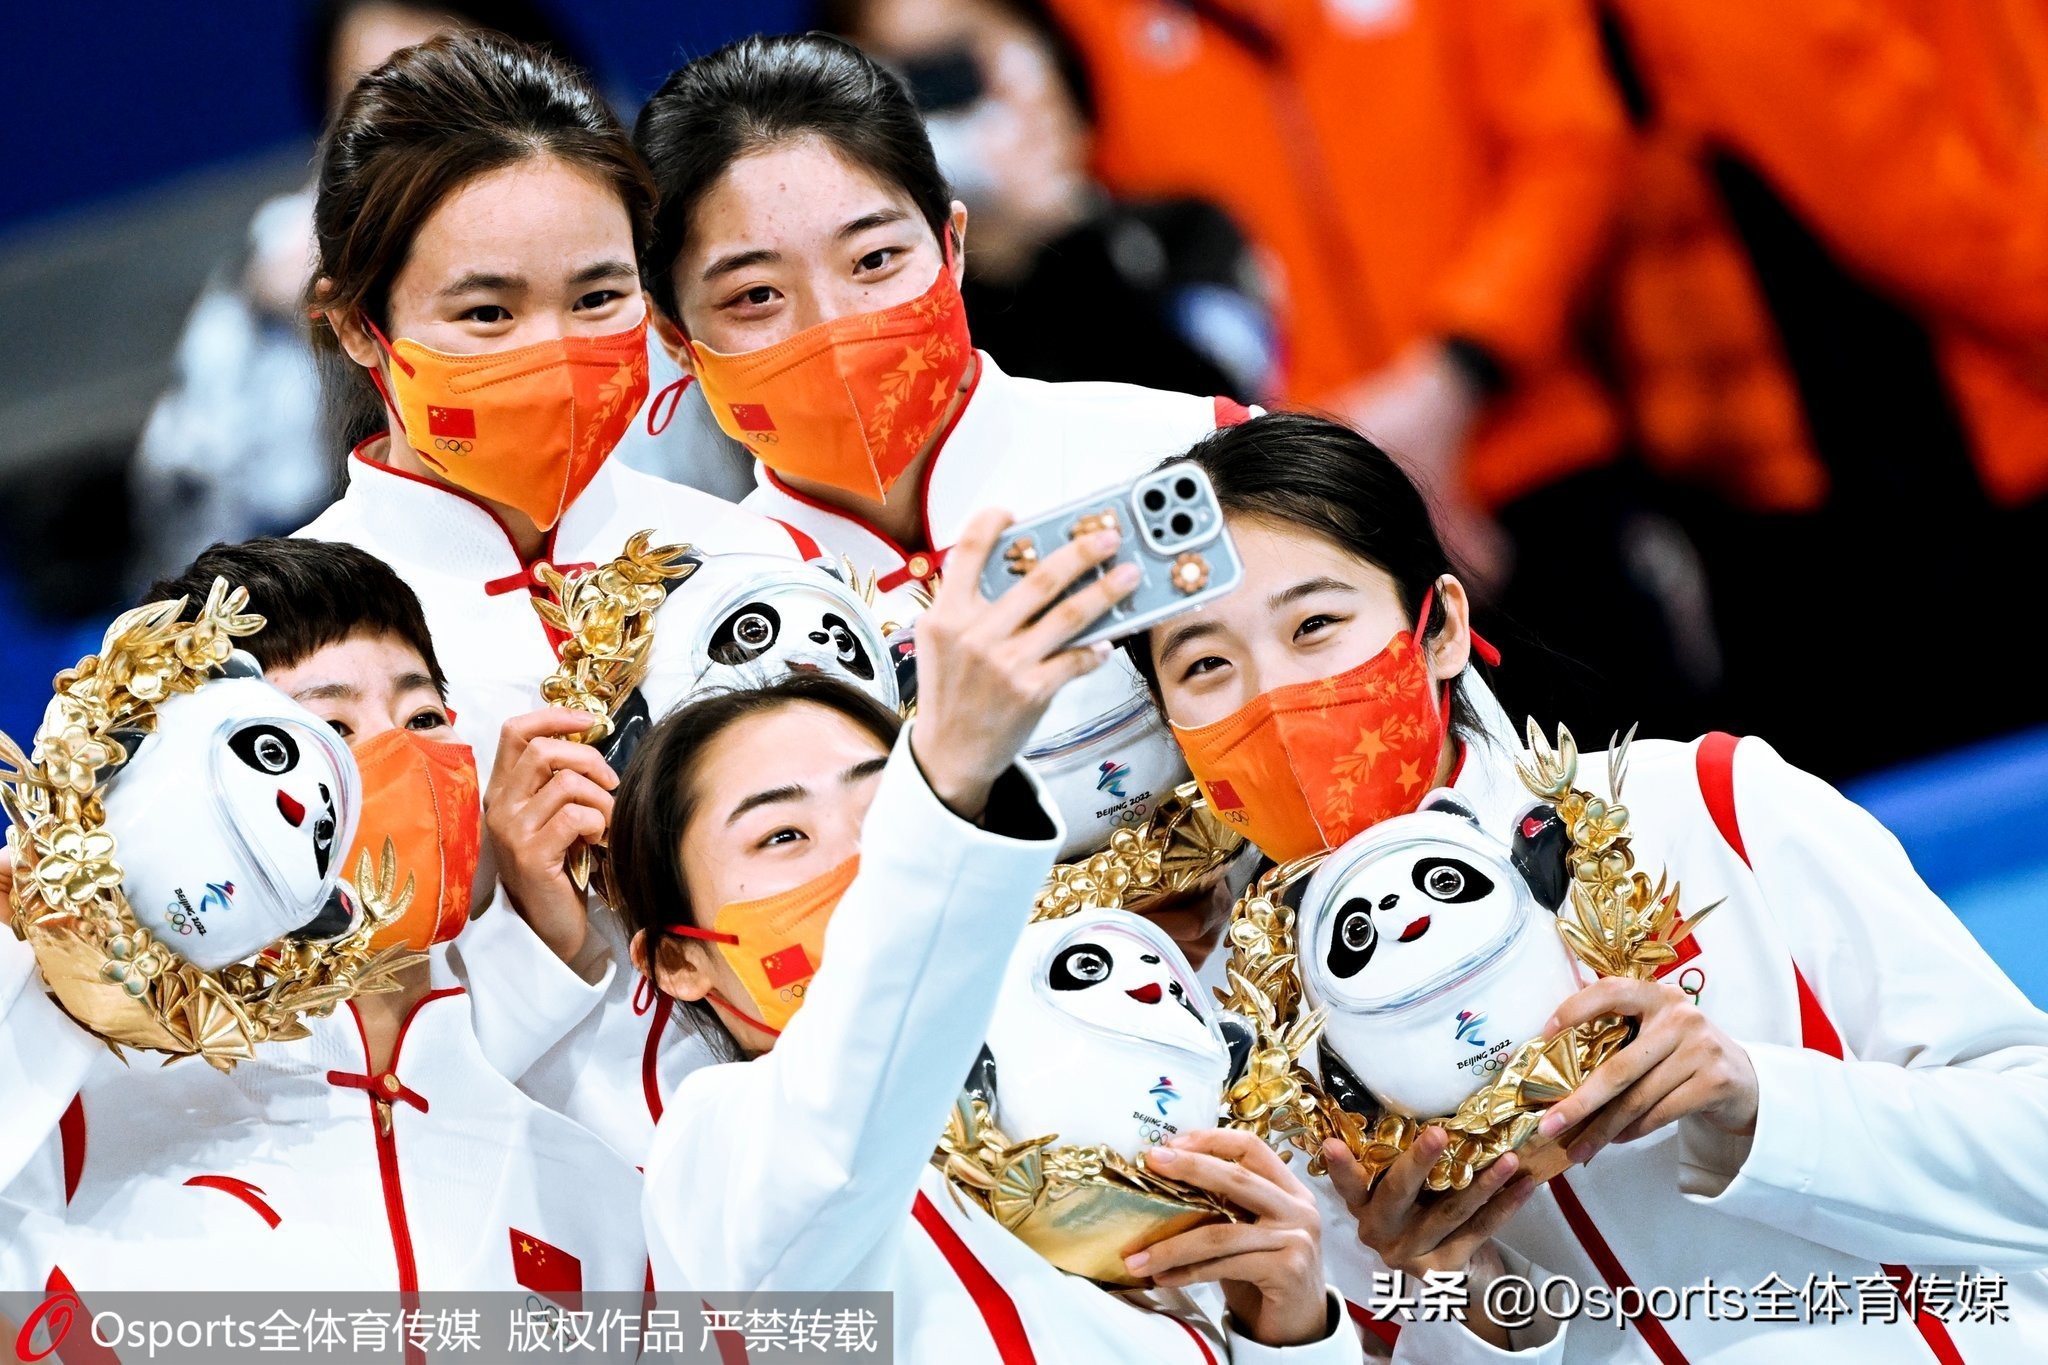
{"type": "Point", "coordinates": [1172, 528]}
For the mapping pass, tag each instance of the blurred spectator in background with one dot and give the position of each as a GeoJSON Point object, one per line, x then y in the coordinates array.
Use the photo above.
{"type": "Point", "coordinates": [1830, 308]}
{"type": "Point", "coordinates": [1010, 111]}
{"type": "Point", "coordinates": [240, 445]}
{"type": "Point", "coordinates": [1435, 181]}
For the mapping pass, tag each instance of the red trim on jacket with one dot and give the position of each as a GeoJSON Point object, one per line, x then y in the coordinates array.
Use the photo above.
{"type": "Point", "coordinates": [385, 1133]}
{"type": "Point", "coordinates": [1387, 1331]}
{"type": "Point", "coordinates": [71, 1137]}
{"type": "Point", "coordinates": [249, 1194]}
{"type": "Point", "coordinates": [805, 546]}
{"type": "Point", "coordinates": [1715, 766]}
{"type": "Point", "coordinates": [1208, 1355]}
{"type": "Point", "coordinates": [937, 555]}
{"type": "Point", "coordinates": [998, 1310]}
{"type": "Point", "coordinates": [1609, 1265]}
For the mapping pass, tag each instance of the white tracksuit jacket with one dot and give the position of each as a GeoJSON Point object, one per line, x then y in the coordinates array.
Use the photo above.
{"type": "Point", "coordinates": [809, 1167]}
{"type": "Point", "coordinates": [1902, 1085]}
{"type": "Point", "coordinates": [301, 1169]}
{"type": "Point", "coordinates": [572, 1038]}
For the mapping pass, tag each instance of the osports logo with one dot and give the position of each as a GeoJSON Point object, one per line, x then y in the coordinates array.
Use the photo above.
{"type": "Point", "coordinates": [1163, 1092]}
{"type": "Point", "coordinates": [1112, 779]}
{"type": "Point", "coordinates": [54, 1315]}
{"type": "Point", "coordinates": [1469, 1025]}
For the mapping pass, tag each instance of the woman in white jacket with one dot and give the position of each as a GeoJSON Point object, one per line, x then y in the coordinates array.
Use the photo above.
{"type": "Point", "coordinates": [1832, 1088]}
{"type": "Point", "coordinates": [751, 821]}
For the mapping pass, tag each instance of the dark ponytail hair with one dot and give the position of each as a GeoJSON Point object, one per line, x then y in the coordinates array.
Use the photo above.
{"type": "Point", "coordinates": [420, 127]}
{"type": "Point", "coordinates": [657, 796]}
{"type": "Point", "coordinates": [761, 92]}
{"type": "Point", "coordinates": [1326, 479]}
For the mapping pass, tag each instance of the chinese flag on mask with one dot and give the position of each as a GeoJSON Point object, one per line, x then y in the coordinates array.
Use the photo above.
{"type": "Point", "coordinates": [547, 1269]}
{"type": "Point", "coordinates": [752, 417]}
{"type": "Point", "coordinates": [456, 422]}
{"type": "Point", "coordinates": [789, 965]}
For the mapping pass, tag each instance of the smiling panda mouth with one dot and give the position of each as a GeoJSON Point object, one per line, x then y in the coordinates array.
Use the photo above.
{"type": "Point", "coordinates": [1417, 927]}
{"type": "Point", "coordinates": [1147, 994]}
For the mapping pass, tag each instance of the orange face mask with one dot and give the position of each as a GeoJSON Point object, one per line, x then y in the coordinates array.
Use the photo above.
{"type": "Point", "coordinates": [1302, 768]}
{"type": "Point", "coordinates": [848, 402]}
{"type": "Point", "coordinates": [421, 796]}
{"type": "Point", "coordinates": [528, 427]}
{"type": "Point", "coordinates": [776, 944]}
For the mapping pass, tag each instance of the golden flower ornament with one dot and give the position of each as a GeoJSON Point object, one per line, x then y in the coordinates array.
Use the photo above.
{"type": "Point", "coordinates": [102, 967]}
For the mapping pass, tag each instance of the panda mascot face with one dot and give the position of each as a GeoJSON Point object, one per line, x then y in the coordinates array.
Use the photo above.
{"type": "Point", "coordinates": [1105, 755]}
{"type": "Point", "coordinates": [745, 619]}
{"type": "Point", "coordinates": [231, 819]}
{"type": "Point", "coordinates": [1433, 945]}
{"type": "Point", "coordinates": [1101, 1037]}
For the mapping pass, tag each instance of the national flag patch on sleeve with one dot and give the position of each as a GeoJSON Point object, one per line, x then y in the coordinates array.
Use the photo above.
{"type": "Point", "coordinates": [546, 1269]}
{"type": "Point", "coordinates": [787, 966]}
{"type": "Point", "coordinates": [458, 423]}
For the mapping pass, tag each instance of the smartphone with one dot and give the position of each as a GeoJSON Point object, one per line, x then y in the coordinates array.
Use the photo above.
{"type": "Point", "coordinates": [1172, 529]}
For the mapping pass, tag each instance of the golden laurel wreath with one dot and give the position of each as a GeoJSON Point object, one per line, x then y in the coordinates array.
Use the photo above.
{"type": "Point", "coordinates": [1085, 1208]}
{"type": "Point", "coordinates": [607, 613]}
{"type": "Point", "coordinates": [1618, 923]}
{"type": "Point", "coordinates": [106, 970]}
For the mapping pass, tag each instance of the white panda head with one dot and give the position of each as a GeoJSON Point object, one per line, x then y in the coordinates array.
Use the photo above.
{"type": "Point", "coordinates": [1430, 941]}
{"type": "Point", "coordinates": [745, 619]}
{"type": "Point", "coordinates": [231, 819]}
{"type": "Point", "coordinates": [1102, 1036]}
{"type": "Point", "coordinates": [1105, 754]}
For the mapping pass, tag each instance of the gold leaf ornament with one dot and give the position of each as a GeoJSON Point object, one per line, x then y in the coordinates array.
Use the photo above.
{"type": "Point", "coordinates": [104, 968]}
{"type": "Point", "coordinates": [1616, 921]}
{"type": "Point", "coordinates": [608, 615]}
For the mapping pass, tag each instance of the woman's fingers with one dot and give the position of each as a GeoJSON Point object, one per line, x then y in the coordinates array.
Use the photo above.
{"type": "Point", "coordinates": [1346, 1174]}
{"type": "Point", "coordinates": [1464, 1244]}
{"type": "Point", "coordinates": [1233, 1144]}
{"type": "Point", "coordinates": [1609, 1079]}
{"type": "Point", "coordinates": [520, 733]}
{"type": "Point", "coordinates": [1394, 1197]}
{"type": "Point", "coordinates": [1211, 1241]}
{"type": "Point", "coordinates": [1453, 1211]}
{"type": "Point", "coordinates": [1693, 1095]}
{"type": "Point", "coordinates": [1017, 608]}
{"type": "Point", "coordinates": [961, 584]}
{"type": "Point", "coordinates": [1241, 1186]}
{"type": "Point", "coordinates": [565, 788]}
{"type": "Point", "coordinates": [1075, 614]}
{"type": "Point", "coordinates": [1610, 995]}
{"type": "Point", "coordinates": [1671, 1071]}
{"type": "Point", "coordinates": [1256, 1265]}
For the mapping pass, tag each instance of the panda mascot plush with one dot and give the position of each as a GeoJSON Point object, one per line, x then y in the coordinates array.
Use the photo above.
{"type": "Point", "coordinates": [1433, 946]}
{"type": "Point", "coordinates": [232, 817]}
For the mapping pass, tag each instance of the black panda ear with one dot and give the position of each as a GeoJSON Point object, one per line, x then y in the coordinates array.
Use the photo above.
{"type": "Point", "coordinates": [1341, 1085]}
{"type": "Point", "coordinates": [241, 664]}
{"type": "Point", "coordinates": [903, 658]}
{"type": "Point", "coordinates": [1239, 1038]}
{"type": "Point", "coordinates": [1450, 803]}
{"type": "Point", "coordinates": [981, 1078]}
{"type": "Point", "coordinates": [1538, 851]}
{"type": "Point", "coordinates": [630, 723]}
{"type": "Point", "coordinates": [127, 742]}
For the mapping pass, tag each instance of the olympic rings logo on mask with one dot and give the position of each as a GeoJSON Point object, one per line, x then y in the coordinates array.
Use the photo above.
{"type": "Point", "coordinates": [454, 446]}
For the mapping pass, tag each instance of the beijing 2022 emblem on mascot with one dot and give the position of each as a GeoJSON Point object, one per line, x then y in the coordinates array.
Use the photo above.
{"type": "Point", "coordinates": [1428, 953]}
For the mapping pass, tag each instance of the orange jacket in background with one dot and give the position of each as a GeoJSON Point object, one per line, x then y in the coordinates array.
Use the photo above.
{"type": "Point", "coordinates": [1412, 169]}
{"type": "Point", "coordinates": [1908, 136]}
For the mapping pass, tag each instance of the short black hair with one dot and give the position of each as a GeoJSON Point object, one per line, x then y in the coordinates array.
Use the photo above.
{"type": "Point", "coordinates": [758, 93]}
{"type": "Point", "coordinates": [523, 21]}
{"type": "Point", "coordinates": [311, 594]}
{"type": "Point", "coordinates": [1323, 477]}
